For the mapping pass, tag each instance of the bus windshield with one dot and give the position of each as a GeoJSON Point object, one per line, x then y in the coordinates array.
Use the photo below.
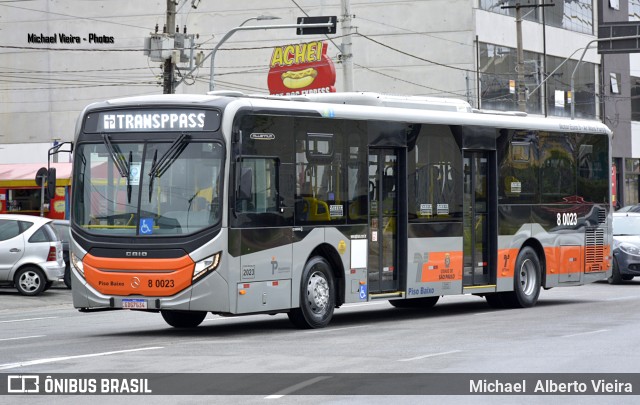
{"type": "Point", "coordinates": [147, 188]}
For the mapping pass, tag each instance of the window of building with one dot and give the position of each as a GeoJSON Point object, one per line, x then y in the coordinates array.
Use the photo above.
{"type": "Point", "coordinates": [614, 79]}
{"type": "Point", "coordinates": [584, 87]}
{"type": "Point", "coordinates": [635, 98]}
{"type": "Point", "coordinates": [631, 181]}
{"type": "Point", "coordinates": [495, 6]}
{"type": "Point", "coordinates": [498, 68]}
{"type": "Point", "coordinates": [634, 10]}
{"type": "Point", "coordinates": [574, 15]}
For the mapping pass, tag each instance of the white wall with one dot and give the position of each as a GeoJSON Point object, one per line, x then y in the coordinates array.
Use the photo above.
{"type": "Point", "coordinates": [47, 86]}
{"type": "Point", "coordinates": [29, 153]}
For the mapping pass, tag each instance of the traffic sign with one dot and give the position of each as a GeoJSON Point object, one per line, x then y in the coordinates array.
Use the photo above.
{"type": "Point", "coordinates": [41, 175]}
{"type": "Point", "coordinates": [610, 37]}
{"type": "Point", "coordinates": [317, 30]}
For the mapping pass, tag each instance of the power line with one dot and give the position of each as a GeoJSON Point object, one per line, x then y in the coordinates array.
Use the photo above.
{"type": "Point", "coordinates": [77, 17]}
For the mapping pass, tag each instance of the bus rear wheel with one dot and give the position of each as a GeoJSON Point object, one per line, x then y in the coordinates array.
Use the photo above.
{"type": "Point", "coordinates": [317, 296]}
{"type": "Point", "coordinates": [183, 319]}
{"type": "Point", "coordinates": [526, 281]}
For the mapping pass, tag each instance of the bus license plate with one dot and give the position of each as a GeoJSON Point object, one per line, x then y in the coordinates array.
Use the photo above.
{"type": "Point", "coordinates": [129, 303]}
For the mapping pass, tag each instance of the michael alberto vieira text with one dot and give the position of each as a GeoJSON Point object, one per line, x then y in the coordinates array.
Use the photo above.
{"type": "Point", "coordinates": [600, 386]}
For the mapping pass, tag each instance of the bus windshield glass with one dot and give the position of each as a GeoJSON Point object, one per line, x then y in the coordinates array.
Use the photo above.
{"type": "Point", "coordinates": [149, 188]}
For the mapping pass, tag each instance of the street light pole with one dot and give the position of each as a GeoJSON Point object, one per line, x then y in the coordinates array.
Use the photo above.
{"type": "Point", "coordinates": [573, 94]}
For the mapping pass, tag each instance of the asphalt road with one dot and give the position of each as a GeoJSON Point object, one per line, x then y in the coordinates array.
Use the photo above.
{"type": "Point", "coordinates": [586, 329]}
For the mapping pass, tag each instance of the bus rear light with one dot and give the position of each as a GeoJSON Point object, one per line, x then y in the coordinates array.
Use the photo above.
{"type": "Point", "coordinates": [77, 264]}
{"type": "Point", "coordinates": [206, 266]}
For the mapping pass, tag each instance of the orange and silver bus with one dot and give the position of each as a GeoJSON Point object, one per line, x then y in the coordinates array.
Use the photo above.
{"type": "Point", "coordinates": [233, 204]}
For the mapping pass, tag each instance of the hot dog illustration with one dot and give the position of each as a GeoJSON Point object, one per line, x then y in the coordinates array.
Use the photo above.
{"type": "Point", "coordinates": [297, 79]}
{"type": "Point", "coordinates": [297, 69]}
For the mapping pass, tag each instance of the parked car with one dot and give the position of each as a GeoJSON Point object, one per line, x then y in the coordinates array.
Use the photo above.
{"type": "Point", "coordinates": [62, 227]}
{"type": "Point", "coordinates": [630, 208]}
{"type": "Point", "coordinates": [30, 253]}
{"type": "Point", "coordinates": [626, 246]}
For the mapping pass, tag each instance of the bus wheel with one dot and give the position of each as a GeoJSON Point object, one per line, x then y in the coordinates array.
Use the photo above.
{"type": "Point", "coordinates": [416, 303]}
{"type": "Point", "coordinates": [30, 281]}
{"type": "Point", "coordinates": [183, 319]}
{"type": "Point", "coordinates": [526, 280]}
{"type": "Point", "coordinates": [317, 296]}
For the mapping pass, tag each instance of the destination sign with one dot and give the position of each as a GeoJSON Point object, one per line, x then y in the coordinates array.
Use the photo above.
{"type": "Point", "coordinates": [152, 120]}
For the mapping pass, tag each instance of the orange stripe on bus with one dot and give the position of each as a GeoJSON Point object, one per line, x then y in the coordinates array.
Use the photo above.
{"type": "Point", "coordinates": [442, 266]}
{"type": "Point", "coordinates": [148, 277]}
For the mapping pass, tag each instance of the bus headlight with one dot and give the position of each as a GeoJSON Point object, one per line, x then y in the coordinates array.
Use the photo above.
{"type": "Point", "coordinates": [205, 266]}
{"type": "Point", "coordinates": [77, 264]}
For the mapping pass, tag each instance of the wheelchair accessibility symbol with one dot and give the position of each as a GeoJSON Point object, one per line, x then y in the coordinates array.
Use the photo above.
{"type": "Point", "coordinates": [146, 226]}
{"type": "Point", "coordinates": [363, 292]}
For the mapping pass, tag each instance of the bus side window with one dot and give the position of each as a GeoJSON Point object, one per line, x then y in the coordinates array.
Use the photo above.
{"type": "Point", "coordinates": [245, 189]}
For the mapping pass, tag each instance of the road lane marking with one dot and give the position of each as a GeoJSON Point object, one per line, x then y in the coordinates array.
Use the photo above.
{"type": "Point", "coordinates": [22, 337]}
{"type": "Point", "coordinates": [586, 333]}
{"type": "Point", "coordinates": [296, 387]}
{"type": "Point", "coordinates": [81, 356]}
{"type": "Point", "coordinates": [431, 355]}
{"type": "Point", "coordinates": [29, 319]}
{"type": "Point", "coordinates": [628, 297]}
{"type": "Point", "coordinates": [364, 304]}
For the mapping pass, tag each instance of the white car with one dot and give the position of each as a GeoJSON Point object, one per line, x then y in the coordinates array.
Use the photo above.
{"type": "Point", "coordinates": [30, 253]}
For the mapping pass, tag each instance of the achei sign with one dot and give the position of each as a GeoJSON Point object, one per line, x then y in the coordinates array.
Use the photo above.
{"type": "Point", "coordinates": [301, 69]}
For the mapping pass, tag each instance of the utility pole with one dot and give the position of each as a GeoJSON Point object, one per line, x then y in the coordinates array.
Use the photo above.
{"type": "Point", "coordinates": [168, 84]}
{"type": "Point", "coordinates": [520, 87]}
{"type": "Point", "coordinates": [347, 56]}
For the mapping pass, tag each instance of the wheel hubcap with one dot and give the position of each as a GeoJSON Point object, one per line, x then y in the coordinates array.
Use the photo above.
{"type": "Point", "coordinates": [527, 277]}
{"type": "Point", "coordinates": [318, 292]}
{"type": "Point", "coordinates": [29, 281]}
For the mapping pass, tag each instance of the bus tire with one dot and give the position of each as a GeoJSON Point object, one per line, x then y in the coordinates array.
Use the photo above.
{"type": "Point", "coordinates": [183, 319]}
{"type": "Point", "coordinates": [30, 281]}
{"type": "Point", "coordinates": [415, 303]}
{"type": "Point", "coordinates": [317, 296]}
{"type": "Point", "coordinates": [67, 277]}
{"type": "Point", "coordinates": [526, 280]}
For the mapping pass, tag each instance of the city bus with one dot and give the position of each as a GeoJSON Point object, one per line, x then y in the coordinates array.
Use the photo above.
{"type": "Point", "coordinates": [234, 204]}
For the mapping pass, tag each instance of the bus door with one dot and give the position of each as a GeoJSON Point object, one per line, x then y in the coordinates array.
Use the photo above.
{"type": "Point", "coordinates": [478, 218]}
{"type": "Point", "coordinates": [383, 220]}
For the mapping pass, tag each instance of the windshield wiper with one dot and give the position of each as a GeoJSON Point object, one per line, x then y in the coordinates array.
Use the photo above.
{"type": "Point", "coordinates": [166, 160]}
{"type": "Point", "coordinates": [117, 157]}
{"type": "Point", "coordinates": [124, 167]}
{"type": "Point", "coordinates": [153, 164]}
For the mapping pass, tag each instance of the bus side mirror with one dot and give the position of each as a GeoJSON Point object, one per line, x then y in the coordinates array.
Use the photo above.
{"type": "Point", "coordinates": [51, 183]}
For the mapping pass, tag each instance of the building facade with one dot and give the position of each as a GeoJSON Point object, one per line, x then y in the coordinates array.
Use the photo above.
{"type": "Point", "coordinates": [60, 56]}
